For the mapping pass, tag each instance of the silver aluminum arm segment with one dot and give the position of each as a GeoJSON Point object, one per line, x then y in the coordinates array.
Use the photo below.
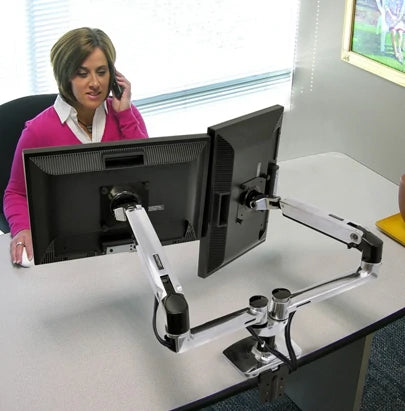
{"type": "Point", "coordinates": [353, 235]}
{"type": "Point", "coordinates": [169, 292]}
{"type": "Point", "coordinates": [166, 287]}
{"type": "Point", "coordinates": [151, 252]}
{"type": "Point", "coordinates": [219, 327]}
{"type": "Point", "coordinates": [317, 293]}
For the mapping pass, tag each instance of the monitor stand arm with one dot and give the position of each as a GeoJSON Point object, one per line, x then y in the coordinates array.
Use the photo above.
{"type": "Point", "coordinates": [284, 303]}
{"type": "Point", "coordinates": [266, 349]}
{"type": "Point", "coordinates": [169, 293]}
{"type": "Point", "coordinates": [165, 285]}
{"type": "Point", "coordinates": [353, 235]}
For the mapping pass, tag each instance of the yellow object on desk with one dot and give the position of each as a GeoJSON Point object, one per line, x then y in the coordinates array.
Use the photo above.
{"type": "Point", "coordinates": [394, 227]}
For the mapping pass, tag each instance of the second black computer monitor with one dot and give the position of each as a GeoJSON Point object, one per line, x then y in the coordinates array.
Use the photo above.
{"type": "Point", "coordinates": [243, 160]}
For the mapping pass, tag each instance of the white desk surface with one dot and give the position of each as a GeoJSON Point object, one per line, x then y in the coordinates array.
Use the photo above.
{"type": "Point", "coordinates": [78, 335]}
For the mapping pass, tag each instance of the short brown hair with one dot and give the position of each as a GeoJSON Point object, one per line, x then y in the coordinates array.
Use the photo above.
{"type": "Point", "coordinates": [69, 52]}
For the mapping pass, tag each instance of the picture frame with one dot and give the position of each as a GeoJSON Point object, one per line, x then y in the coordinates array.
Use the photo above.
{"type": "Point", "coordinates": [367, 40]}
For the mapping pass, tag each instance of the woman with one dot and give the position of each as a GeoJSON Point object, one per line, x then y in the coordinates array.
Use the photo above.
{"type": "Point", "coordinates": [83, 65]}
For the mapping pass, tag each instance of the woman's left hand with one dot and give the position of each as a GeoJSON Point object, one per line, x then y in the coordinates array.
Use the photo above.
{"type": "Point", "coordinates": [17, 244]}
{"type": "Point", "coordinates": [125, 101]}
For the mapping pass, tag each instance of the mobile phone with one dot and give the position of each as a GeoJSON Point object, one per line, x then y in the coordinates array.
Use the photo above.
{"type": "Point", "coordinates": [115, 87]}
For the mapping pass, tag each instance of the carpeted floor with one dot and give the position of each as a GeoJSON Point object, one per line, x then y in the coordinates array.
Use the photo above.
{"type": "Point", "coordinates": [385, 381]}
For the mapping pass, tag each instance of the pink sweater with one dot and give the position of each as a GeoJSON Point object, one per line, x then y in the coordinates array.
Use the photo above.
{"type": "Point", "coordinates": [46, 130]}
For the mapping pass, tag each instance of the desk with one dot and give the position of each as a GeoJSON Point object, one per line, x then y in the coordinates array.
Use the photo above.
{"type": "Point", "coordinates": [77, 335]}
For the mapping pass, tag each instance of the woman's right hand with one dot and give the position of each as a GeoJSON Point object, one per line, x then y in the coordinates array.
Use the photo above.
{"type": "Point", "coordinates": [19, 241]}
{"type": "Point", "coordinates": [401, 196]}
{"type": "Point", "coordinates": [124, 102]}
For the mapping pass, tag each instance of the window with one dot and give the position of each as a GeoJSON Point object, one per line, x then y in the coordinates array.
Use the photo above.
{"type": "Point", "coordinates": [175, 52]}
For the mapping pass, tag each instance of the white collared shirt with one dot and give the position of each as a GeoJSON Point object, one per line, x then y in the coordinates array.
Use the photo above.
{"type": "Point", "coordinates": [68, 114]}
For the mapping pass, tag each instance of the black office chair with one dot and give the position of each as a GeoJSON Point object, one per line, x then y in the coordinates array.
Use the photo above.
{"type": "Point", "coordinates": [13, 116]}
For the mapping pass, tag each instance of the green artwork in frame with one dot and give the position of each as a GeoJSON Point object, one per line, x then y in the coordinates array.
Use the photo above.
{"type": "Point", "coordinates": [374, 37]}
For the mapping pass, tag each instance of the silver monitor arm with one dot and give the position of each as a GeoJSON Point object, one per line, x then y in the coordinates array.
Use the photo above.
{"type": "Point", "coordinates": [169, 293]}
{"type": "Point", "coordinates": [284, 304]}
{"type": "Point", "coordinates": [267, 322]}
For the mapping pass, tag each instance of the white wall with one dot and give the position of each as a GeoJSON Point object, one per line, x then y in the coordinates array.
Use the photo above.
{"type": "Point", "coordinates": [337, 106]}
{"type": "Point", "coordinates": [334, 107]}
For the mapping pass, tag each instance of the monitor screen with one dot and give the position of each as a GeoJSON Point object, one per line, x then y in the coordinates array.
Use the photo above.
{"type": "Point", "coordinates": [69, 191]}
{"type": "Point", "coordinates": [243, 161]}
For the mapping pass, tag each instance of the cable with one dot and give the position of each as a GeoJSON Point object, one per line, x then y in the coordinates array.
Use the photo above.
{"type": "Point", "coordinates": [290, 362]}
{"type": "Point", "coordinates": [159, 338]}
{"type": "Point", "coordinates": [290, 348]}
{"type": "Point", "coordinates": [271, 350]}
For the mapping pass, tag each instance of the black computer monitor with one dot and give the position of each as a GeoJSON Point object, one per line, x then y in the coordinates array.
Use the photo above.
{"type": "Point", "coordinates": [243, 163]}
{"type": "Point", "coordinates": [70, 188]}
{"type": "Point", "coordinates": [192, 187]}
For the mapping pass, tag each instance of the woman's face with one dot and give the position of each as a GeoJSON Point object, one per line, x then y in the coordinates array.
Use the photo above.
{"type": "Point", "coordinates": [91, 83]}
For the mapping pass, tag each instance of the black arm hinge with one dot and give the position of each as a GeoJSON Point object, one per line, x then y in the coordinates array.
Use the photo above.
{"type": "Point", "coordinates": [371, 246]}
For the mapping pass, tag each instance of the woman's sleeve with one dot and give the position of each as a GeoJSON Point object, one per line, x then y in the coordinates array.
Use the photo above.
{"type": "Point", "coordinates": [131, 123]}
{"type": "Point", "coordinates": [15, 196]}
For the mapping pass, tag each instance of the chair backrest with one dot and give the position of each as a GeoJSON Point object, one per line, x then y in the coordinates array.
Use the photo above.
{"type": "Point", "coordinates": [13, 116]}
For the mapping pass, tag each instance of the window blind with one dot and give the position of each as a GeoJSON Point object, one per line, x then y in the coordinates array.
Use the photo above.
{"type": "Point", "coordinates": [170, 50]}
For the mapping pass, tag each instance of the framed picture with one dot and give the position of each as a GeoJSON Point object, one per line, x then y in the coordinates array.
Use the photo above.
{"type": "Point", "coordinates": [374, 37]}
